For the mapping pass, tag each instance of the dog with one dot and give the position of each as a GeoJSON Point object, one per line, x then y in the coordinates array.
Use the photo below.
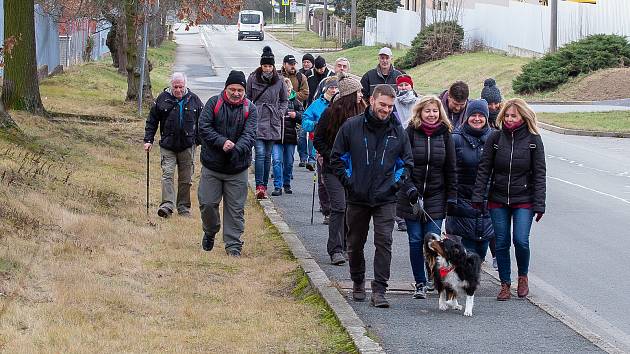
{"type": "Point", "coordinates": [453, 271]}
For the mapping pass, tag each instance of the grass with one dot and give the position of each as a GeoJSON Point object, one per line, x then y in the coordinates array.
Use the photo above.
{"type": "Point", "coordinates": [615, 121]}
{"type": "Point", "coordinates": [83, 269]}
{"type": "Point", "coordinates": [361, 58]}
{"type": "Point", "coordinates": [303, 39]}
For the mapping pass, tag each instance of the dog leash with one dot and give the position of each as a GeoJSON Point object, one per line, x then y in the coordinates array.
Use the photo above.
{"type": "Point", "coordinates": [431, 219]}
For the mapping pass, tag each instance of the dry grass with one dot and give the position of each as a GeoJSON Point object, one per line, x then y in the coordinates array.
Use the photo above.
{"type": "Point", "coordinates": [82, 269]}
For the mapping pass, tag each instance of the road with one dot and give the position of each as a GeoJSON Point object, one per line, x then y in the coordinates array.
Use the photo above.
{"type": "Point", "coordinates": [580, 249]}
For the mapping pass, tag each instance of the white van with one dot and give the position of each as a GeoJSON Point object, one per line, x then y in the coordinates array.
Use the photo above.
{"type": "Point", "coordinates": [251, 24]}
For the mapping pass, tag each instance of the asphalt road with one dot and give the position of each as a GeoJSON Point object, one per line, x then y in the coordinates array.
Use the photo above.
{"type": "Point", "coordinates": [580, 249]}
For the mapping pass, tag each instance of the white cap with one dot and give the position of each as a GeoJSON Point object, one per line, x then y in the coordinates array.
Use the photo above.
{"type": "Point", "coordinates": [385, 51]}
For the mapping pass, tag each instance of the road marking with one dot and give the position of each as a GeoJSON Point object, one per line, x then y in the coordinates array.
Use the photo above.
{"type": "Point", "coordinates": [579, 164]}
{"type": "Point", "coordinates": [590, 189]}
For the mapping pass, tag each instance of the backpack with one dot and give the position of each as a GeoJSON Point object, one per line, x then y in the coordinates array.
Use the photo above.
{"type": "Point", "coordinates": [217, 107]}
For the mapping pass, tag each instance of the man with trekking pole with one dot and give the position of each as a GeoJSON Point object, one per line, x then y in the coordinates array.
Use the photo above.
{"type": "Point", "coordinates": [176, 112]}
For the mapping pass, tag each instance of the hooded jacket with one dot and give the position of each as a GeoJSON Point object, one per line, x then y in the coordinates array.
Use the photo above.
{"type": "Point", "coordinates": [463, 220]}
{"type": "Point", "coordinates": [371, 160]}
{"type": "Point", "coordinates": [313, 113]}
{"type": "Point", "coordinates": [403, 106]}
{"type": "Point", "coordinates": [514, 164]}
{"type": "Point", "coordinates": [271, 105]}
{"type": "Point", "coordinates": [231, 123]}
{"type": "Point", "coordinates": [375, 77]}
{"type": "Point", "coordinates": [177, 120]}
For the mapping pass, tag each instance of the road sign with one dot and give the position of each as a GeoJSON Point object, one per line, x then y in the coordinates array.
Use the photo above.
{"type": "Point", "coordinates": [293, 7]}
{"type": "Point", "coordinates": [171, 17]}
{"type": "Point", "coordinates": [285, 2]}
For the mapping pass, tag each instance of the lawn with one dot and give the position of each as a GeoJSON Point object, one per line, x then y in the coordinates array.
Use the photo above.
{"type": "Point", "coordinates": [303, 39]}
{"type": "Point", "coordinates": [84, 269]}
{"type": "Point", "coordinates": [615, 121]}
{"type": "Point", "coordinates": [361, 58]}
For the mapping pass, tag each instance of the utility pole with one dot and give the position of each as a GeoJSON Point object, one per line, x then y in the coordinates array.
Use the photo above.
{"type": "Point", "coordinates": [553, 34]}
{"type": "Point", "coordinates": [353, 19]}
{"type": "Point", "coordinates": [325, 18]}
{"type": "Point", "coordinates": [423, 14]}
{"type": "Point", "coordinates": [308, 15]}
{"type": "Point", "coordinates": [144, 57]}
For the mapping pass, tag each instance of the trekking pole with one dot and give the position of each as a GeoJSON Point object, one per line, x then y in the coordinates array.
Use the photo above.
{"type": "Point", "coordinates": [313, 199]}
{"type": "Point", "coordinates": [147, 183]}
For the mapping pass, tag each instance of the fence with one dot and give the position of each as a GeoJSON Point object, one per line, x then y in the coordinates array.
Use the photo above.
{"type": "Point", "coordinates": [337, 28]}
{"type": "Point", "coordinates": [73, 42]}
{"type": "Point", "coordinates": [519, 28]}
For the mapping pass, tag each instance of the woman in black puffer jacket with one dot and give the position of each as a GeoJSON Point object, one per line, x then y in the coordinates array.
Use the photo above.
{"type": "Point", "coordinates": [433, 180]}
{"type": "Point", "coordinates": [473, 225]}
{"type": "Point", "coordinates": [514, 162]}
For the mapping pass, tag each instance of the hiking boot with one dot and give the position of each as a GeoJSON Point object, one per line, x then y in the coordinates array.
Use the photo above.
{"type": "Point", "coordinates": [310, 167]}
{"type": "Point", "coordinates": [164, 212]}
{"type": "Point", "coordinates": [337, 259]}
{"type": "Point", "coordinates": [420, 292]}
{"type": "Point", "coordinates": [358, 291]}
{"type": "Point", "coordinates": [261, 192]}
{"type": "Point", "coordinates": [430, 286]}
{"type": "Point", "coordinates": [495, 265]}
{"type": "Point", "coordinates": [401, 226]}
{"type": "Point", "coordinates": [302, 164]}
{"type": "Point", "coordinates": [233, 253]}
{"type": "Point", "coordinates": [523, 286]}
{"type": "Point", "coordinates": [326, 220]}
{"type": "Point", "coordinates": [207, 243]}
{"type": "Point", "coordinates": [276, 192]}
{"type": "Point", "coordinates": [379, 300]}
{"type": "Point", "coordinates": [287, 190]}
{"type": "Point", "coordinates": [505, 293]}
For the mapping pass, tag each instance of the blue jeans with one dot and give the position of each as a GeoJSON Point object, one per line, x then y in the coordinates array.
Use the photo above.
{"type": "Point", "coordinates": [478, 247]}
{"type": "Point", "coordinates": [283, 165]}
{"type": "Point", "coordinates": [263, 161]}
{"type": "Point", "coordinates": [416, 231]}
{"type": "Point", "coordinates": [301, 146]}
{"type": "Point", "coordinates": [502, 218]}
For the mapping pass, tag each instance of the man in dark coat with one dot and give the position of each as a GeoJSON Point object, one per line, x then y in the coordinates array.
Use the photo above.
{"type": "Point", "coordinates": [384, 73]}
{"type": "Point", "coordinates": [227, 130]}
{"type": "Point", "coordinates": [176, 111]}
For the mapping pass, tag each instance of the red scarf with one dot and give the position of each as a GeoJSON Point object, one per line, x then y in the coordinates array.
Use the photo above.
{"type": "Point", "coordinates": [511, 127]}
{"type": "Point", "coordinates": [227, 99]}
{"type": "Point", "coordinates": [429, 129]}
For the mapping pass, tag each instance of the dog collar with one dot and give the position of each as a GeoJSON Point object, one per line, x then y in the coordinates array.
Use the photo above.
{"type": "Point", "coordinates": [444, 271]}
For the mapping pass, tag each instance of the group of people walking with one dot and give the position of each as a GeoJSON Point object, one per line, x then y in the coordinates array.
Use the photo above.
{"type": "Point", "coordinates": [382, 152]}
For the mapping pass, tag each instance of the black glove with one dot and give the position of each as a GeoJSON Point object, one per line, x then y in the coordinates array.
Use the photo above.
{"type": "Point", "coordinates": [417, 207]}
{"type": "Point", "coordinates": [413, 195]}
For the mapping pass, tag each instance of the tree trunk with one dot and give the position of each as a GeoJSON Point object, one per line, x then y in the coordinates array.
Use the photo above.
{"type": "Point", "coordinates": [20, 89]}
{"type": "Point", "coordinates": [112, 43]}
{"type": "Point", "coordinates": [121, 39]}
{"type": "Point", "coordinates": [133, 74]}
{"type": "Point", "coordinates": [6, 122]}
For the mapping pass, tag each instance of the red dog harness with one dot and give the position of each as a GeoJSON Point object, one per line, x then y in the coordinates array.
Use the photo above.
{"type": "Point", "coordinates": [444, 271]}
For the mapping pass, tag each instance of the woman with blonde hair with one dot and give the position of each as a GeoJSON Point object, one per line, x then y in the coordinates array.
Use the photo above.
{"type": "Point", "coordinates": [432, 181]}
{"type": "Point", "coordinates": [514, 160]}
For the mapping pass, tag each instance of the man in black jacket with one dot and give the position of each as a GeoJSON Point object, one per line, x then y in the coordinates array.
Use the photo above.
{"type": "Point", "coordinates": [176, 111]}
{"type": "Point", "coordinates": [227, 130]}
{"type": "Point", "coordinates": [384, 73]}
{"type": "Point", "coordinates": [372, 157]}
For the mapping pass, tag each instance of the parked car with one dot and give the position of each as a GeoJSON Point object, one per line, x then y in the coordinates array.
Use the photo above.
{"type": "Point", "coordinates": [251, 24]}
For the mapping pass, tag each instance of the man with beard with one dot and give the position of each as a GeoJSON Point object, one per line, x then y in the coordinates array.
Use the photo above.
{"type": "Point", "coordinates": [455, 100]}
{"type": "Point", "coordinates": [372, 158]}
{"type": "Point", "coordinates": [298, 80]}
{"type": "Point", "coordinates": [492, 95]}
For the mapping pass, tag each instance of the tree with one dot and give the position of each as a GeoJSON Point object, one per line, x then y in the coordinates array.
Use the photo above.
{"type": "Point", "coordinates": [6, 122]}
{"type": "Point", "coordinates": [367, 8]}
{"type": "Point", "coordinates": [20, 88]}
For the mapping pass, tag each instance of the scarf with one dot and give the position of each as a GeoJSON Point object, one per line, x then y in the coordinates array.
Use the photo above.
{"type": "Point", "coordinates": [267, 76]}
{"type": "Point", "coordinates": [492, 119]}
{"type": "Point", "coordinates": [474, 132]}
{"type": "Point", "coordinates": [429, 129]}
{"type": "Point", "coordinates": [404, 105]}
{"type": "Point", "coordinates": [510, 128]}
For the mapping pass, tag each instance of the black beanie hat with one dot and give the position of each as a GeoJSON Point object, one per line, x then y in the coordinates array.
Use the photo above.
{"type": "Point", "coordinates": [319, 62]}
{"type": "Point", "coordinates": [267, 56]}
{"type": "Point", "coordinates": [490, 91]}
{"type": "Point", "coordinates": [309, 57]}
{"type": "Point", "coordinates": [236, 77]}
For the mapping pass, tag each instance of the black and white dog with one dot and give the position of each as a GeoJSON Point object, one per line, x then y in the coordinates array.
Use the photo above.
{"type": "Point", "coordinates": [453, 271]}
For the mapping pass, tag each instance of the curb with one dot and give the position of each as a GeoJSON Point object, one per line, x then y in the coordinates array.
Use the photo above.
{"type": "Point", "coordinates": [349, 320]}
{"type": "Point", "coordinates": [567, 131]}
{"type": "Point", "coordinates": [616, 102]}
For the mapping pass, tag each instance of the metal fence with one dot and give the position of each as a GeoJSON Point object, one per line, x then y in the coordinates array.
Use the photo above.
{"type": "Point", "coordinates": [72, 45]}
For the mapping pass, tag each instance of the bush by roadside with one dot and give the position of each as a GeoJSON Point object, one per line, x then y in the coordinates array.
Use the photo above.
{"type": "Point", "coordinates": [434, 42]}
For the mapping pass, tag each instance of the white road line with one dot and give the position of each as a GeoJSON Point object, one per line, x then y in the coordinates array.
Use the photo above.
{"type": "Point", "coordinates": [590, 189]}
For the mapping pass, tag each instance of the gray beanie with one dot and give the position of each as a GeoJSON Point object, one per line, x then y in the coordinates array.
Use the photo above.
{"type": "Point", "coordinates": [490, 91]}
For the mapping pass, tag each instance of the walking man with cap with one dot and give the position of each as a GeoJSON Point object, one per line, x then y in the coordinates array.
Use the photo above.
{"type": "Point", "coordinates": [298, 80]}
{"type": "Point", "coordinates": [176, 111]}
{"type": "Point", "coordinates": [384, 73]}
{"type": "Point", "coordinates": [372, 158]}
{"type": "Point", "coordinates": [455, 100]}
{"type": "Point", "coordinates": [227, 130]}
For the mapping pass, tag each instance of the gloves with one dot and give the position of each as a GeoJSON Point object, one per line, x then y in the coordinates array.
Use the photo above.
{"type": "Point", "coordinates": [413, 195]}
{"type": "Point", "coordinates": [477, 205]}
{"type": "Point", "coordinates": [539, 216]}
{"type": "Point", "coordinates": [418, 206]}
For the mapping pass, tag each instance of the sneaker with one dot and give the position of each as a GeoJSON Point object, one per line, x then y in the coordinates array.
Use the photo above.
{"type": "Point", "coordinates": [164, 212]}
{"type": "Point", "coordinates": [505, 293]}
{"type": "Point", "coordinates": [420, 292]}
{"type": "Point", "coordinates": [233, 253]}
{"type": "Point", "coordinates": [302, 164]}
{"type": "Point", "coordinates": [326, 220]}
{"type": "Point", "coordinates": [337, 259]}
{"type": "Point", "coordinates": [207, 243]}
{"type": "Point", "coordinates": [358, 291]}
{"type": "Point", "coordinates": [523, 286]}
{"type": "Point", "coordinates": [402, 226]}
{"type": "Point", "coordinates": [310, 167]}
{"type": "Point", "coordinates": [430, 286]}
{"type": "Point", "coordinates": [287, 190]}
{"type": "Point", "coordinates": [185, 214]}
{"type": "Point", "coordinates": [276, 192]}
{"type": "Point", "coordinates": [261, 192]}
{"type": "Point", "coordinates": [379, 300]}
{"type": "Point", "coordinates": [495, 265]}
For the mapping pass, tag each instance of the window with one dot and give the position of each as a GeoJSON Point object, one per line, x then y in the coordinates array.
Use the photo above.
{"type": "Point", "coordinates": [250, 19]}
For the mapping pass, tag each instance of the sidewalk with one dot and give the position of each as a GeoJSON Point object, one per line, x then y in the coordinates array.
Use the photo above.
{"type": "Point", "coordinates": [417, 325]}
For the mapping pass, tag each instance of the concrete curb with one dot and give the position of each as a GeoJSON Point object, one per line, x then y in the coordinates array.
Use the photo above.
{"type": "Point", "coordinates": [616, 102]}
{"type": "Point", "coordinates": [567, 131]}
{"type": "Point", "coordinates": [320, 281]}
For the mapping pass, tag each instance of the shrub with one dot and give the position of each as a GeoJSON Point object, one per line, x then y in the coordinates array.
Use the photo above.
{"type": "Point", "coordinates": [352, 43]}
{"type": "Point", "coordinates": [592, 53]}
{"type": "Point", "coordinates": [434, 42]}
